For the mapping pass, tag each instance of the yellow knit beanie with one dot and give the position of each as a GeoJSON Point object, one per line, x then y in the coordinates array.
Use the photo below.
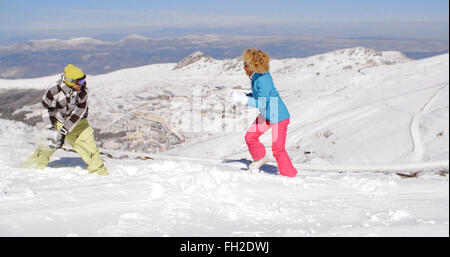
{"type": "Point", "coordinates": [71, 74]}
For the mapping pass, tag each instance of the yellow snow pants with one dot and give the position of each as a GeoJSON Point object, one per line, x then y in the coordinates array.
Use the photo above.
{"type": "Point", "coordinates": [83, 142]}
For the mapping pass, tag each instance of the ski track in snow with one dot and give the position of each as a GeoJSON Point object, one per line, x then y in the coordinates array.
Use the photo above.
{"type": "Point", "coordinates": [418, 148]}
{"type": "Point", "coordinates": [357, 113]}
{"type": "Point", "coordinates": [310, 168]}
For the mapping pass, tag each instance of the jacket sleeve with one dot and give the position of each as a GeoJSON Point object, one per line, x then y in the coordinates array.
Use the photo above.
{"type": "Point", "coordinates": [77, 114]}
{"type": "Point", "coordinates": [49, 102]}
{"type": "Point", "coordinates": [263, 92]}
{"type": "Point", "coordinates": [251, 100]}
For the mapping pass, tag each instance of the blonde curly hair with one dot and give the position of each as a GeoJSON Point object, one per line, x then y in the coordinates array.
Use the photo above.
{"type": "Point", "coordinates": [257, 60]}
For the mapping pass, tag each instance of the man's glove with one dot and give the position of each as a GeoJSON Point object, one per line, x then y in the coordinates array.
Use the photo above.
{"type": "Point", "coordinates": [56, 139]}
{"type": "Point", "coordinates": [238, 97]}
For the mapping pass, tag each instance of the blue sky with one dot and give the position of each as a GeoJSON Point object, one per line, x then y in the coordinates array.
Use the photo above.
{"type": "Point", "coordinates": [80, 14]}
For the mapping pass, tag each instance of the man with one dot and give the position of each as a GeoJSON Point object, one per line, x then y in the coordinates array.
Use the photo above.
{"type": "Point", "coordinates": [67, 108]}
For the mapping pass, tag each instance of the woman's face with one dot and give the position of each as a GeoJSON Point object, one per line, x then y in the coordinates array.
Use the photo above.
{"type": "Point", "coordinates": [247, 69]}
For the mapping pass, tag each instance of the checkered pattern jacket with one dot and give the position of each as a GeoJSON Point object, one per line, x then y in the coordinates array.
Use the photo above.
{"type": "Point", "coordinates": [66, 105]}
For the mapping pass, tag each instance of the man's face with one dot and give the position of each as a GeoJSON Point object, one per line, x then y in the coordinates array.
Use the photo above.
{"type": "Point", "coordinates": [76, 87]}
{"type": "Point", "coordinates": [79, 84]}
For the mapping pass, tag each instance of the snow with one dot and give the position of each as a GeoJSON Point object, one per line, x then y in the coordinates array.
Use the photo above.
{"type": "Point", "coordinates": [362, 125]}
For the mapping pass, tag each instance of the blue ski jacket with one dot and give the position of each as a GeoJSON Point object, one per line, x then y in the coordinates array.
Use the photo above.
{"type": "Point", "coordinates": [266, 98]}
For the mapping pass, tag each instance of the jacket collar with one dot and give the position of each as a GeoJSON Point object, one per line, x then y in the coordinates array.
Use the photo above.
{"type": "Point", "coordinates": [66, 89]}
{"type": "Point", "coordinates": [254, 76]}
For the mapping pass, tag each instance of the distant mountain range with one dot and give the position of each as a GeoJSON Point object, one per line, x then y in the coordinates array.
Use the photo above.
{"type": "Point", "coordinates": [37, 58]}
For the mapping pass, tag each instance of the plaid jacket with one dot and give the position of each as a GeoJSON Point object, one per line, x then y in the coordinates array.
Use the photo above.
{"type": "Point", "coordinates": [66, 105]}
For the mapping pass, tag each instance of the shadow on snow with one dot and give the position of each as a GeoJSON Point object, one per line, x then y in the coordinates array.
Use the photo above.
{"type": "Point", "coordinates": [269, 169]}
{"type": "Point", "coordinates": [68, 162]}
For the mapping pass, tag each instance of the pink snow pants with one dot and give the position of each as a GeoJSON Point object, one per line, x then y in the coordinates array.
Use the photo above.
{"type": "Point", "coordinates": [279, 132]}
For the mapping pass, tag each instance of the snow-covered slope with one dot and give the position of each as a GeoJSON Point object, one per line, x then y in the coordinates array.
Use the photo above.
{"type": "Point", "coordinates": [349, 107]}
{"type": "Point", "coordinates": [188, 197]}
{"type": "Point", "coordinates": [354, 107]}
{"type": "Point", "coordinates": [352, 110]}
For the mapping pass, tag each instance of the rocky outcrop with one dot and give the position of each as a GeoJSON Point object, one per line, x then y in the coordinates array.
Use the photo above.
{"type": "Point", "coordinates": [194, 57]}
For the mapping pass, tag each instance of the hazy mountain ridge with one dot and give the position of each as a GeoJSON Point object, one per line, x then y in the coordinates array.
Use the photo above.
{"type": "Point", "coordinates": [346, 59]}
{"type": "Point", "coordinates": [37, 58]}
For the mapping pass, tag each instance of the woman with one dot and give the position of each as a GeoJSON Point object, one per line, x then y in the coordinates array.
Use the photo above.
{"type": "Point", "coordinates": [273, 113]}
